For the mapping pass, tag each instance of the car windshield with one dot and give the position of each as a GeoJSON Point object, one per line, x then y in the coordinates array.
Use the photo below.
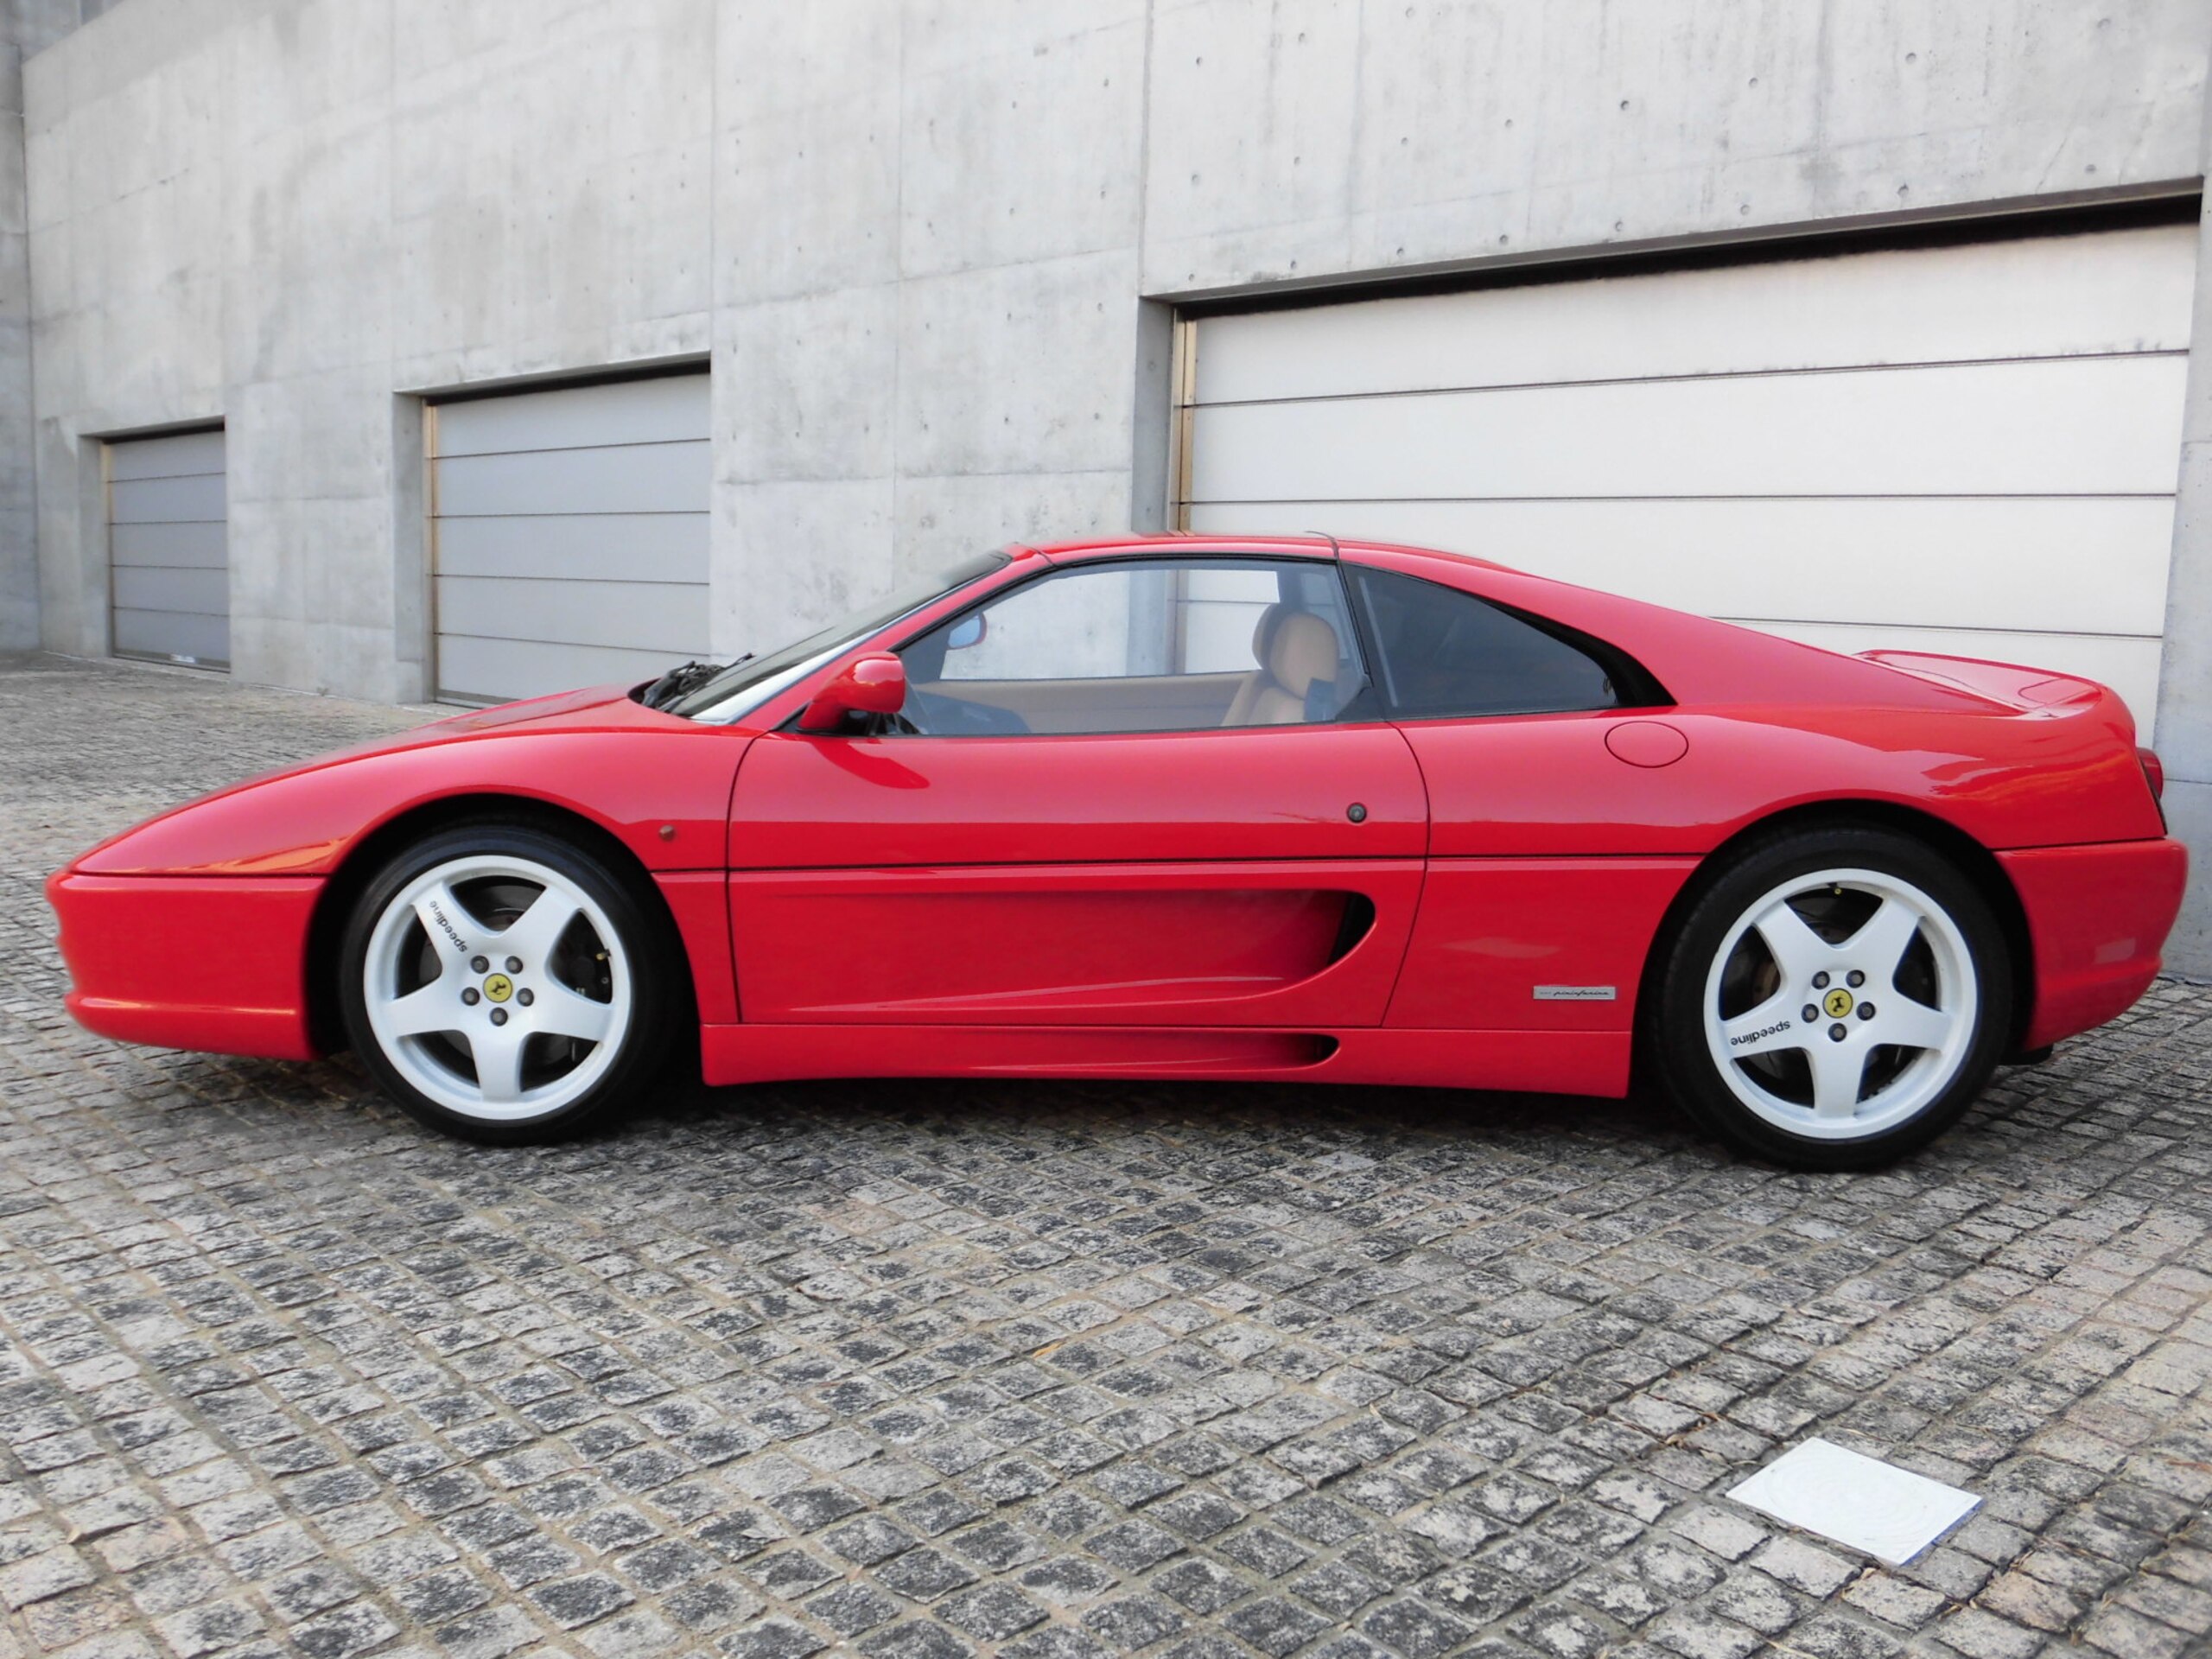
{"type": "Point", "coordinates": [743, 686]}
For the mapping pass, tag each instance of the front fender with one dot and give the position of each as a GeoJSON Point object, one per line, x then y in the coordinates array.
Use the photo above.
{"type": "Point", "coordinates": [663, 792]}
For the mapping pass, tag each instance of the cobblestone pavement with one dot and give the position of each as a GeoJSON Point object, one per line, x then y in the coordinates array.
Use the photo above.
{"type": "Point", "coordinates": [922, 1370]}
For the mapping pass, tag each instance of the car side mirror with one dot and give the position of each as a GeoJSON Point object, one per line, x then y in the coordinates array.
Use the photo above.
{"type": "Point", "coordinates": [968, 631]}
{"type": "Point", "coordinates": [869, 685]}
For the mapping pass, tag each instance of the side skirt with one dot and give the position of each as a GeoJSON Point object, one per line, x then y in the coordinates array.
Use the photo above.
{"type": "Point", "coordinates": [1537, 1062]}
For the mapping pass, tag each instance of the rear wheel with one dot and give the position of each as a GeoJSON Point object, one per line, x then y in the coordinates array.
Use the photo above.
{"type": "Point", "coordinates": [1834, 999]}
{"type": "Point", "coordinates": [503, 985]}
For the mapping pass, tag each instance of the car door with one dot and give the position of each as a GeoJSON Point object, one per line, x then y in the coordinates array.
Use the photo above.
{"type": "Point", "coordinates": [1127, 791]}
{"type": "Point", "coordinates": [1539, 752]}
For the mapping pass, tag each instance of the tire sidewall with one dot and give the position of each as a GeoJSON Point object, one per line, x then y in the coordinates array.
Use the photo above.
{"type": "Point", "coordinates": [643, 1043]}
{"type": "Point", "coordinates": [1675, 1035]}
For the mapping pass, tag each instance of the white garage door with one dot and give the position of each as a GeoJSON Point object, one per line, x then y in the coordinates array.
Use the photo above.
{"type": "Point", "coordinates": [570, 536]}
{"type": "Point", "coordinates": [1966, 449]}
{"type": "Point", "coordinates": [169, 565]}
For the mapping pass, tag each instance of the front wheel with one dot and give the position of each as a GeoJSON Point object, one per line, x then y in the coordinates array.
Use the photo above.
{"type": "Point", "coordinates": [1833, 999]}
{"type": "Point", "coordinates": [502, 984]}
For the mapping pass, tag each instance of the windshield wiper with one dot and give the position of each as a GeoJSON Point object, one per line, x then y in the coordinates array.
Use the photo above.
{"type": "Point", "coordinates": [688, 676]}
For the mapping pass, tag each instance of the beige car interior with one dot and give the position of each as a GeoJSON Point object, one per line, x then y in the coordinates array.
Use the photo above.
{"type": "Point", "coordinates": [1295, 650]}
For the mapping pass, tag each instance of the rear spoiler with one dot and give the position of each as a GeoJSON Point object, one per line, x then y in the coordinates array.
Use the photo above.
{"type": "Point", "coordinates": [2008, 683]}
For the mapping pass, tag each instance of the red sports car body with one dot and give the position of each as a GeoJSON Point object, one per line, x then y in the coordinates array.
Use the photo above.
{"type": "Point", "coordinates": [1415, 869]}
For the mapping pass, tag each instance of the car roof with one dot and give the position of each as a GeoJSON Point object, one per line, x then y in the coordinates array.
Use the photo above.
{"type": "Point", "coordinates": [1306, 545]}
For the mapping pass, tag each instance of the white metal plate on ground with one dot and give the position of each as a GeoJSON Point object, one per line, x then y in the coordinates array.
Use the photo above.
{"type": "Point", "coordinates": [1969, 448]}
{"type": "Point", "coordinates": [1890, 1513]}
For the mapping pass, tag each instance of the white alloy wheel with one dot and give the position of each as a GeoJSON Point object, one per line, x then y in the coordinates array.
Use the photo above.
{"type": "Point", "coordinates": [497, 987]}
{"type": "Point", "coordinates": [1841, 1004]}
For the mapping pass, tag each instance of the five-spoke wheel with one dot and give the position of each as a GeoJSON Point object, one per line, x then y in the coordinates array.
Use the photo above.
{"type": "Point", "coordinates": [499, 981]}
{"type": "Point", "coordinates": [1833, 998]}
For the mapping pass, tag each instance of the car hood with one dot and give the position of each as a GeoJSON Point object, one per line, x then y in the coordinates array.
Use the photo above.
{"type": "Point", "coordinates": [563, 710]}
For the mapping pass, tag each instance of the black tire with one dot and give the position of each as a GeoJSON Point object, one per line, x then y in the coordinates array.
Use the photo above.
{"type": "Point", "coordinates": [1679, 1045]}
{"type": "Point", "coordinates": [648, 952]}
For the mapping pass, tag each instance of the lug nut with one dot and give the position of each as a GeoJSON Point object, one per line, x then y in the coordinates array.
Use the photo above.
{"type": "Point", "coordinates": [525, 998]}
{"type": "Point", "coordinates": [479, 965]}
{"type": "Point", "coordinates": [1854, 979]}
{"type": "Point", "coordinates": [471, 996]}
{"type": "Point", "coordinates": [1836, 1032]}
{"type": "Point", "coordinates": [1820, 982]}
{"type": "Point", "coordinates": [1812, 1014]}
{"type": "Point", "coordinates": [514, 964]}
{"type": "Point", "coordinates": [1866, 1010]}
{"type": "Point", "coordinates": [500, 1018]}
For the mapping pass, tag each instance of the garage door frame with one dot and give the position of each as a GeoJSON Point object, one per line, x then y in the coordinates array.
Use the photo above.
{"type": "Point", "coordinates": [112, 444]}
{"type": "Point", "coordinates": [426, 404]}
{"type": "Point", "coordinates": [2175, 202]}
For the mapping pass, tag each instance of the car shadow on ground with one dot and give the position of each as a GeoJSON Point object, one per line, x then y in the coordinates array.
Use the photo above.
{"type": "Point", "coordinates": [1192, 1111]}
{"type": "Point", "coordinates": [1204, 1117]}
{"type": "Point", "coordinates": [1642, 1126]}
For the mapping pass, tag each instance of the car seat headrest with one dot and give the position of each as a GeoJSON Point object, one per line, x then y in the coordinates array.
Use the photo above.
{"type": "Point", "coordinates": [1303, 651]}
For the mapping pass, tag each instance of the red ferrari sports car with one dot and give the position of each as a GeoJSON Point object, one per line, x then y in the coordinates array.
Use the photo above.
{"type": "Point", "coordinates": [1176, 807]}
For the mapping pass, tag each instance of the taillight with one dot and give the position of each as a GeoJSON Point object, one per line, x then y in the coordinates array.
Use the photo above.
{"type": "Point", "coordinates": [2154, 772]}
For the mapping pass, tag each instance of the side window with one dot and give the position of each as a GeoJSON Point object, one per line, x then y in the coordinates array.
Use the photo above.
{"type": "Point", "coordinates": [1141, 645]}
{"type": "Point", "coordinates": [1445, 652]}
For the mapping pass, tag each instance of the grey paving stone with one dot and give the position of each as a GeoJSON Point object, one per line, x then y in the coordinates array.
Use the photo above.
{"type": "Point", "coordinates": [775, 1638]}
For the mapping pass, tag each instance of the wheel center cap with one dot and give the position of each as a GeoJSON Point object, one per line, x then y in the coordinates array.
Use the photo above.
{"type": "Point", "coordinates": [498, 987]}
{"type": "Point", "coordinates": [1836, 1004]}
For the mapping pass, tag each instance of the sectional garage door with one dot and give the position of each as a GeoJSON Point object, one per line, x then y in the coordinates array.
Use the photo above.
{"type": "Point", "coordinates": [1968, 449]}
{"type": "Point", "coordinates": [570, 536]}
{"type": "Point", "coordinates": [168, 568]}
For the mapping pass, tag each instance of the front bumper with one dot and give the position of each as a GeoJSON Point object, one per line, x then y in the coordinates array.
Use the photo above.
{"type": "Point", "coordinates": [210, 962]}
{"type": "Point", "coordinates": [2098, 916]}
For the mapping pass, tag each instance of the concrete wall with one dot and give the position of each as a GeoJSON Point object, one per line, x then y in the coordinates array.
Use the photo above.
{"type": "Point", "coordinates": [925, 242]}
{"type": "Point", "coordinates": [26, 27]}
